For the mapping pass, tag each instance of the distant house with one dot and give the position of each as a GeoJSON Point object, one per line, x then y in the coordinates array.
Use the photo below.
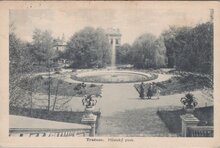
{"type": "Point", "coordinates": [59, 45]}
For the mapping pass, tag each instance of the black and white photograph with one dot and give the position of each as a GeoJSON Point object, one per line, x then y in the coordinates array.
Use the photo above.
{"type": "Point", "coordinates": [115, 71]}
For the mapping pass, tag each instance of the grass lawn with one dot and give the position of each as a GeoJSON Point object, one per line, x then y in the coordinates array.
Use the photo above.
{"type": "Point", "coordinates": [180, 84]}
{"type": "Point", "coordinates": [63, 116]}
{"type": "Point", "coordinates": [134, 123]}
{"type": "Point", "coordinates": [60, 87]}
{"type": "Point", "coordinates": [173, 122]}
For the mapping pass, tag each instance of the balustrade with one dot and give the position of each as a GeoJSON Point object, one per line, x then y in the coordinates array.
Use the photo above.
{"type": "Point", "coordinates": [13, 132]}
{"type": "Point", "coordinates": [200, 131]}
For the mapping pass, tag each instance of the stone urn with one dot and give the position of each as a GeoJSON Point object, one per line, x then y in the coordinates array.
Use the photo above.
{"type": "Point", "coordinates": [89, 102]}
{"type": "Point", "coordinates": [89, 118]}
{"type": "Point", "coordinates": [189, 102]}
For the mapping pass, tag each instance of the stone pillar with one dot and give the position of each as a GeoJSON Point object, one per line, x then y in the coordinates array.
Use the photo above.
{"type": "Point", "coordinates": [90, 119]}
{"type": "Point", "coordinates": [188, 120]}
{"type": "Point", "coordinates": [92, 132]}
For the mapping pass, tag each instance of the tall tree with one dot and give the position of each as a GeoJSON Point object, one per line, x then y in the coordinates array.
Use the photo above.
{"type": "Point", "coordinates": [20, 66]}
{"type": "Point", "coordinates": [123, 54]}
{"type": "Point", "coordinates": [191, 48]}
{"type": "Point", "coordinates": [88, 48]}
{"type": "Point", "coordinates": [169, 37]}
{"type": "Point", "coordinates": [148, 52]}
{"type": "Point", "coordinates": [43, 44]}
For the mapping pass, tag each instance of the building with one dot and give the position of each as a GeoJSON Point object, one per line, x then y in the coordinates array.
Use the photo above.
{"type": "Point", "coordinates": [59, 45]}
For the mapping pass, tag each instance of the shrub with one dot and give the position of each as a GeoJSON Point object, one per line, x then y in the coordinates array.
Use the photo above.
{"type": "Point", "coordinates": [92, 85]}
{"type": "Point", "coordinates": [77, 87]}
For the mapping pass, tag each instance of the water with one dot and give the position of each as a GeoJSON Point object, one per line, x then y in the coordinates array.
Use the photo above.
{"type": "Point", "coordinates": [113, 60]}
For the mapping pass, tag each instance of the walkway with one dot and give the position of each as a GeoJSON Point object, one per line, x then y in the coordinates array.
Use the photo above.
{"type": "Point", "coordinates": [125, 114]}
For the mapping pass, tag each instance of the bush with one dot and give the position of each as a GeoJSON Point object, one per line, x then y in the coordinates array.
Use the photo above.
{"type": "Point", "coordinates": [92, 85]}
{"type": "Point", "coordinates": [77, 87]}
{"type": "Point", "coordinates": [161, 85]}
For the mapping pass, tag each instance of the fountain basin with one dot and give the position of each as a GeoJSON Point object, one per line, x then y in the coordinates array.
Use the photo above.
{"type": "Point", "coordinates": [113, 76]}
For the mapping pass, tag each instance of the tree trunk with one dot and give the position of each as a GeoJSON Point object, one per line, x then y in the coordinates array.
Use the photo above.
{"type": "Point", "coordinates": [55, 99]}
{"type": "Point", "coordinates": [31, 96]}
{"type": "Point", "coordinates": [48, 107]}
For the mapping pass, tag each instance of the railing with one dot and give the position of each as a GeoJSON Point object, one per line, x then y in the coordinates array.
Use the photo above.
{"type": "Point", "coordinates": [14, 132]}
{"type": "Point", "coordinates": [200, 131]}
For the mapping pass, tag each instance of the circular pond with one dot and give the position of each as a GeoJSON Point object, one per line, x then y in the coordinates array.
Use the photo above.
{"type": "Point", "coordinates": [113, 76]}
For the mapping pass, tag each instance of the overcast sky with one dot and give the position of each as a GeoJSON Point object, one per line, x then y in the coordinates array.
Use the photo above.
{"type": "Point", "coordinates": [131, 22]}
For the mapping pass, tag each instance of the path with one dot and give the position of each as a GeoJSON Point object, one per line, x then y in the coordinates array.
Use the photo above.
{"type": "Point", "coordinates": [121, 114]}
{"type": "Point", "coordinates": [124, 114]}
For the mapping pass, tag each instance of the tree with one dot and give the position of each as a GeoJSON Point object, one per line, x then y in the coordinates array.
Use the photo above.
{"type": "Point", "coordinates": [169, 37]}
{"type": "Point", "coordinates": [191, 48]}
{"type": "Point", "coordinates": [20, 68]}
{"type": "Point", "coordinates": [123, 54]}
{"type": "Point", "coordinates": [148, 52]}
{"type": "Point", "coordinates": [202, 44]}
{"type": "Point", "coordinates": [88, 48]}
{"type": "Point", "coordinates": [42, 48]}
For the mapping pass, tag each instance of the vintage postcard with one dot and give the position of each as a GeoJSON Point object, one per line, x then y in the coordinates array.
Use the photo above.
{"type": "Point", "coordinates": [109, 74]}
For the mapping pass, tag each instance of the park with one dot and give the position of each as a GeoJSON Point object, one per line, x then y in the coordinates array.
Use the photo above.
{"type": "Point", "coordinates": [93, 85]}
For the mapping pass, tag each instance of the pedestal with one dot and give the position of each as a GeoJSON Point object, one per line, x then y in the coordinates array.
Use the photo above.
{"type": "Point", "coordinates": [90, 119]}
{"type": "Point", "coordinates": [188, 120]}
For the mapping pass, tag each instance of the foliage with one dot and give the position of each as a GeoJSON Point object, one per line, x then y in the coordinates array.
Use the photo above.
{"type": "Point", "coordinates": [64, 88]}
{"type": "Point", "coordinates": [42, 46]}
{"type": "Point", "coordinates": [88, 48]}
{"type": "Point", "coordinates": [20, 64]}
{"type": "Point", "coordinates": [148, 52]}
{"type": "Point", "coordinates": [189, 101]}
{"type": "Point", "coordinates": [169, 37]}
{"type": "Point", "coordinates": [88, 101]}
{"type": "Point", "coordinates": [23, 57]}
{"type": "Point", "coordinates": [190, 49]}
{"type": "Point", "coordinates": [177, 85]}
{"type": "Point", "coordinates": [123, 54]}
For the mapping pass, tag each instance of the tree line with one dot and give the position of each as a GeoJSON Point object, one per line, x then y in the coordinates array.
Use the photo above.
{"type": "Point", "coordinates": [147, 51]}
{"type": "Point", "coordinates": [190, 48]}
{"type": "Point", "coordinates": [184, 48]}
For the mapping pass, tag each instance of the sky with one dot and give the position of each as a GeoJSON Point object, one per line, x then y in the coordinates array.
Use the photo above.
{"type": "Point", "coordinates": [131, 22]}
